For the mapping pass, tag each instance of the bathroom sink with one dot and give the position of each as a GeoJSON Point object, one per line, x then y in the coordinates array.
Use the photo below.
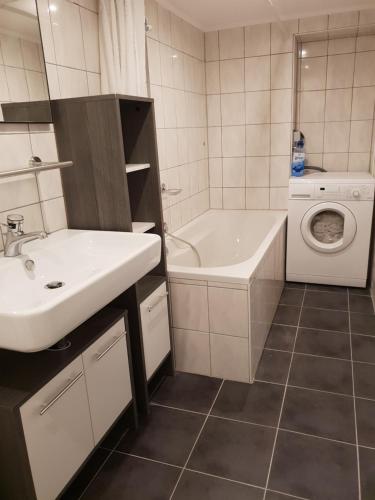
{"type": "Point", "coordinates": [85, 270]}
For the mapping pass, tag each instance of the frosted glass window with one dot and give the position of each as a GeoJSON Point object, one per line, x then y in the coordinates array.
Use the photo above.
{"type": "Point", "coordinates": [328, 226]}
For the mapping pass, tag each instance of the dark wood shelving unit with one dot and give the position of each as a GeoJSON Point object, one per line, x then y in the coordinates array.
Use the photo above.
{"type": "Point", "coordinates": [102, 135]}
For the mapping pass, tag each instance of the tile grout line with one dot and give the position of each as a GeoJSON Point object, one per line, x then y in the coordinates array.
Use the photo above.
{"type": "Point", "coordinates": [283, 400]}
{"type": "Point", "coordinates": [355, 408]}
{"type": "Point", "coordinates": [196, 441]}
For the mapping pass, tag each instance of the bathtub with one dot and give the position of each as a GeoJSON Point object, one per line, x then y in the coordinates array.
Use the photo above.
{"type": "Point", "coordinates": [222, 311]}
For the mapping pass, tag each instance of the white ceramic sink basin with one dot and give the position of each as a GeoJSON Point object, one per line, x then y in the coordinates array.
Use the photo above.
{"type": "Point", "coordinates": [96, 266]}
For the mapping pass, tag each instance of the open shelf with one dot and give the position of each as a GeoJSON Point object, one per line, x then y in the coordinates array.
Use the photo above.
{"type": "Point", "coordinates": [142, 227]}
{"type": "Point", "coordinates": [134, 167]}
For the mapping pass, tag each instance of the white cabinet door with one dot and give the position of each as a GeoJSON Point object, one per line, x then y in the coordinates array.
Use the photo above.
{"type": "Point", "coordinates": [57, 428]}
{"type": "Point", "coordinates": [155, 328]}
{"type": "Point", "coordinates": [108, 378]}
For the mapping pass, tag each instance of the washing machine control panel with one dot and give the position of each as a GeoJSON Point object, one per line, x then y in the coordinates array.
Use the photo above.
{"type": "Point", "coordinates": [332, 192]}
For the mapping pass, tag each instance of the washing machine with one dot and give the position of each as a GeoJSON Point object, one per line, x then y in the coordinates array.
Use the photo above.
{"type": "Point", "coordinates": [329, 228]}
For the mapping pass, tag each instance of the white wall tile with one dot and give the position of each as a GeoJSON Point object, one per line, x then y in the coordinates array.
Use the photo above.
{"type": "Point", "coordinates": [212, 78]}
{"type": "Point", "coordinates": [282, 36]}
{"type": "Point", "coordinates": [233, 172]}
{"type": "Point", "coordinates": [315, 23]}
{"type": "Point", "coordinates": [281, 71]}
{"type": "Point", "coordinates": [341, 45]}
{"type": "Point", "coordinates": [216, 198]}
{"type": "Point", "coordinates": [164, 20]}
{"type": "Point", "coordinates": [335, 162]}
{"type": "Point", "coordinates": [212, 45]}
{"type": "Point", "coordinates": [15, 151]}
{"type": "Point", "coordinates": [281, 106]}
{"type": "Point", "coordinates": [257, 198]}
{"type": "Point", "coordinates": [278, 198]}
{"type": "Point", "coordinates": [234, 198]}
{"type": "Point", "coordinates": [313, 49]}
{"type": "Point", "coordinates": [359, 162]}
{"type": "Point", "coordinates": [90, 33]}
{"type": "Point", "coordinates": [257, 40]}
{"type": "Point", "coordinates": [364, 74]}
{"type": "Point", "coordinates": [54, 215]}
{"type": "Point", "coordinates": [363, 103]}
{"type": "Point", "coordinates": [313, 73]}
{"type": "Point", "coordinates": [233, 109]}
{"type": "Point", "coordinates": [17, 192]}
{"type": "Point", "coordinates": [343, 19]}
{"type": "Point", "coordinates": [258, 73]}
{"type": "Point", "coordinates": [280, 171]}
{"type": "Point", "coordinates": [336, 137]}
{"type": "Point", "coordinates": [338, 105]}
{"type": "Point", "coordinates": [366, 16]}
{"type": "Point", "coordinates": [232, 75]}
{"type": "Point", "coordinates": [360, 136]}
{"type": "Point", "coordinates": [340, 71]}
{"type": "Point", "coordinates": [231, 43]}
{"type": "Point", "coordinates": [72, 82]}
{"type": "Point", "coordinates": [214, 142]}
{"type": "Point", "coordinates": [257, 171]}
{"type": "Point", "coordinates": [258, 107]}
{"type": "Point", "coordinates": [313, 136]}
{"type": "Point", "coordinates": [233, 141]}
{"type": "Point", "coordinates": [280, 139]}
{"type": "Point", "coordinates": [257, 140]}
{"type": "Point", "coordinates": [312, 106]}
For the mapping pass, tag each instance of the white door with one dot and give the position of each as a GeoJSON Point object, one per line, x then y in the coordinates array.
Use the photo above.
{"type": "Point", "coordinates": [328, 227]}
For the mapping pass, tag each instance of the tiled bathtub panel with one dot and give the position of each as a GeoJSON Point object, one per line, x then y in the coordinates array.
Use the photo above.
{"type": "Point", "coordinates": [229, 357]}
{"type": "Point", "coordinates": [189, 307]}
{"type": "Point", "coordinates": [265, 292]}
{"type": "Point", "coordinates": [192, 351]}
{"type": "Point", "coordinates": [228, 311]}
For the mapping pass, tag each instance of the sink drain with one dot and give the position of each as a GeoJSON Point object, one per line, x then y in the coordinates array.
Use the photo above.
{"type": "Point", "coordinates": [54, 284]}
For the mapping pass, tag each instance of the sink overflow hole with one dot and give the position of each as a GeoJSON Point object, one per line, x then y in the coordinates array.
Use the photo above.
{"type": "Point", "coordinates": [54, 284]}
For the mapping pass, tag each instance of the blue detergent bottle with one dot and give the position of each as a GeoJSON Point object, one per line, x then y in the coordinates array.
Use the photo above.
{"type": "Point", "coordinates": [298, 157]}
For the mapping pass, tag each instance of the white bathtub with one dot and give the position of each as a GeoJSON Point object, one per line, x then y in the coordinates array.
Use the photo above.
{"type": "Point", "coordinates": [223, 310]}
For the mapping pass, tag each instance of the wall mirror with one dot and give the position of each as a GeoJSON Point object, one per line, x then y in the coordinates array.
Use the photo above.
{"type": "Point", "coordinates": [24, 95]}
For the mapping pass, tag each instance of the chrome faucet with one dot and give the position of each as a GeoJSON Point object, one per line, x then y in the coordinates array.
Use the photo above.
{"type": "Point", "coordinates": [15, 237]}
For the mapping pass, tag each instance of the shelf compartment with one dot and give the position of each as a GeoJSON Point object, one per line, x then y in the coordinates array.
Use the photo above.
{"type": "Point", "coordinates": [142, 227]}
{"type": "Point", "coordinates": [134, 167]}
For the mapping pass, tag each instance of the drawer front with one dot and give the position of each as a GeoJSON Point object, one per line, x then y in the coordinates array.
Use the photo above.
{"type": "Point", "coordinates": [155, 329]}
{"type": "Point", "coordinates": [108, 378]}
{"type": "Point", "coordinates": [57, 428]}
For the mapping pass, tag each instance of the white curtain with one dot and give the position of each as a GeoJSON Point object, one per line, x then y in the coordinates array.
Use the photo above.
{"type": "Point", "coordinates": [122, 47]}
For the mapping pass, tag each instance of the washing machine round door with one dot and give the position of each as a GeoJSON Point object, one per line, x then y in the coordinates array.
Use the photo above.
{"type": "Point", "coordinates": [328, 227]}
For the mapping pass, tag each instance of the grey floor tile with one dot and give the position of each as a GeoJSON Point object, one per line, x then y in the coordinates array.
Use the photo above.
{"type": "Point", "coordinates": [287, 315]}
{"type": "Point", "coordinates": [363, 348]}
{"type": "Point", "coordinates": [323, 319]}
{"type": "Point", "coordinates": [234, 450]}
{"type": "Point", "coordinates": [326, 300]}
{"type": "Point", "coordinates": [366, 422]}
{"type": "Point", "coordinates": [292, 296]}
{"type": "Point", "coordinates": [314, 468]}
{"type": "Point", "coordinates": [362, 323]}
{"type": "Point", "coordinates": [318, 413]}
{"type": "Point", "coordinates": [334, 375]}
{"type": "Point", "coordinates": [124, 478]}
{"type": "Point", "coordinates": [281, 337]}
{"type": "Point", "coordinates": [367, 473]}
{"type": "Point", "coordinates": [361, 304]}
{"type": "Point", "coordinates": [195, 486]}
{"type": "Point", "coordinates": [259, 402]}
{"type": "Point", "coordinates": [167, 435]}
{"type": "Point", "coordinates": [272, 495]}
{"type": "Point", "coordinates": [188, 391]}
{"type": "Point", "coordinates": [359, 291]}
{"type": "Point", "coordinates": [273, 367]}
{"type": "Point", "coordinates": [293, 284]}
{"type": "Point", "coordinates": [323, 343]}
{"type": "Point", "coordinates": [327, 288]}
{"type": "Point", "coordinates": [364, 380]}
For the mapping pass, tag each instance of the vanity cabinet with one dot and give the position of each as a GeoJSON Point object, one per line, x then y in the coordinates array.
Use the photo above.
{"type": "Point", "coordinates": [107, 378]}
{"type": "Point", "coordinates": [57, 427]}
{"type": "Point", "coordinates": [155, 329]}
{"type": "Point", "coordinates": [56, 406]}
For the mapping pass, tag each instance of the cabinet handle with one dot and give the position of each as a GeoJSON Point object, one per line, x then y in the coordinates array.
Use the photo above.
{"type": "Point", "coordinates": [158, 300]}
{"type": "Point", "coordinates": [117, 339]}
{"type": "Point", "coordinates": [47, 406]}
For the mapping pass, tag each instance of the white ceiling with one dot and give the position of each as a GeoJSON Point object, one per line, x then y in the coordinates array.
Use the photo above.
{"type": "Point", "coordinates": [210, 15]}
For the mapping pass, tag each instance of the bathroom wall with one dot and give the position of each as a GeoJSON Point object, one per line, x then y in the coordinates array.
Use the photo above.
{"type": "Point", "coordinates": [336, 97]}
{"type": "Point", "coordinates": [249, 82]}
{"type": "Point", "coordinates": [175, 51]}
{"type": "Point", "coordinates": [70, 42]}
